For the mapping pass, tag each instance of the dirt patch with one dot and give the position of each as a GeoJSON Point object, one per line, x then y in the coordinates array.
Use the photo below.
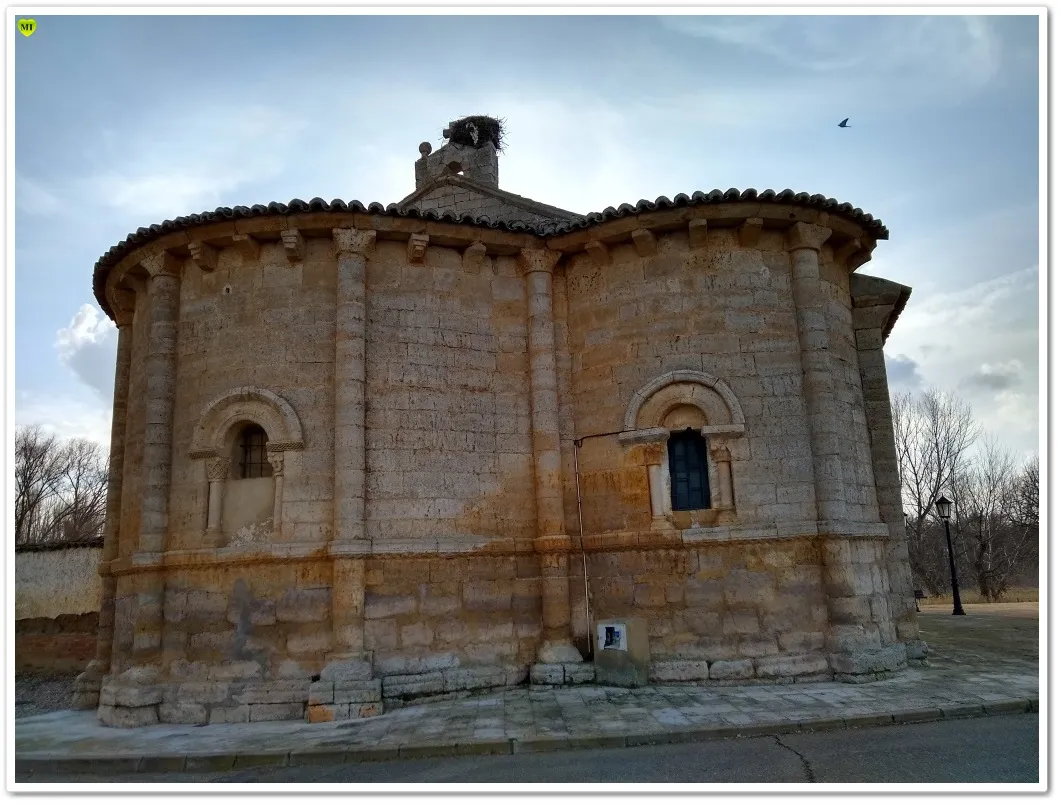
{"type": "Point", "coordinates": [37, 693]}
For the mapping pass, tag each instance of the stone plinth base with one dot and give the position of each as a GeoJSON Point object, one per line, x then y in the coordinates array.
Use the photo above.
{"type": "Point", "coordinates": [915, 650]}
{"type": "Point", "coordinates": [869, 664]}
{"type": "Point", "coordinates": [87, 686]}
{"type": "Point", "coordinates": [344, 700]}
{"type": "Point", "coordinates": [555, 675]}
{"type": "Point", "coordinates": [782, 669]}
{"type": "Point", "coordinates": [137, 698]}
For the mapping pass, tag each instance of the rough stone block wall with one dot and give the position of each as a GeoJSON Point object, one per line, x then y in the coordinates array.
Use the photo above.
{"type": "Point", "coordinates": [718, 309]}
{"type": "Point", "coordinates": [467, 202]}
{"type": "Point", "coordinates": [436, 625]}
{"type": "Point", "coordinates": [448, 446]}
{"type": "Point", "coordinates": [267, 323]}
{"type": "Point", "coordinates": [720, 611]}
{"type": "Point", "coordinates": [262, 621]}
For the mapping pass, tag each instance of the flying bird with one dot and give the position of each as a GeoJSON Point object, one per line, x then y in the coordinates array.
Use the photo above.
{"type": "Point", "coordinates": [844, 123]}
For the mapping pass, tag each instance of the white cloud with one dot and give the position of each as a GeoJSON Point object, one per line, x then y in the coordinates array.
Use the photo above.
{"type": "Point", "coordinates": [88, 346]}
{"type": "Point", "coordinates": [935, 56]}
{"type": "Point", "coordinates": [168, 170]}
{"type": "Point", "coordinates": [981, 341]}
{"type": "Point", "coordinates": [805, 42]}
{"type": "Point", "coordinates": [66, 417]}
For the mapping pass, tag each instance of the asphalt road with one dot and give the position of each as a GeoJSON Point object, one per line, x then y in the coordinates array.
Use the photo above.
{"type": "Point", "coordinates": [1001, 749]}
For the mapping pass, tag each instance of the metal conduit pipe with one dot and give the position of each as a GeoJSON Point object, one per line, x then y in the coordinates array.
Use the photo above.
{"type": "Point", "coordinates": [581, 534]}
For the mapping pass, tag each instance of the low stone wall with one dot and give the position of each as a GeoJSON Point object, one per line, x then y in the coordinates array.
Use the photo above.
{"type": "Point", "coordinates": [63, 644]}
{"type": "Point", "coordinates": [57, 591]}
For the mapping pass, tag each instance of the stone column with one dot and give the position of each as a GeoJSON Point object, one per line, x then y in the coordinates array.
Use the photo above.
{"type": "Point", "coordinates": [655, 489]}
{"type": "Point", "coordinates": [723, 463]}
{"type": "Point", "coordinates": [804, 243]}
{"type": "Point", "coordinates": [348, 663]}
{"type": "Point", "coordinates": [216, 475]}
{"type": "Point", "coordinates": [552, 543]}
{"type": "Point", "coordinates": [353, 247]}
{"type": "Point", "coordinates": [868, 330]}
{"type": "Point", "coordinates": [164, 304]}
{"type": "Point", "coordinates": [854, 566]}
{"type": "Point", "coordinates": [276, 459]}
{"type": "Point", "coordinates": [87, 686]}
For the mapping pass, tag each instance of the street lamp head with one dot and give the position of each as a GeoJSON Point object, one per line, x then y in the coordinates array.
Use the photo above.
{"type": "Point", "coordinates": [943, 506]}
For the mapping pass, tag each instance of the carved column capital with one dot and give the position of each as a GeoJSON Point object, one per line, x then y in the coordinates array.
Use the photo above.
{"type": "Point", "coordinates": [535, 260]}
{"type": "Point", "coordinates": [217, 468]}
{"type": "Point", "coordinates": [354, 241]}
{"type": "Point", "coordinates": [474, 256]}
{"type": "Point", "coordinates": [807, 235]}
{"type": "Point", "coordinates": [276, 459]}
{"type": "Point", "coordinates": [162, 264]}
{"type": "Point", "coordinates": [720, 454]}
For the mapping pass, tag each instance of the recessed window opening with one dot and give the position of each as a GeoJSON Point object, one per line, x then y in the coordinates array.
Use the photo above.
{"type": "Point", "coordinates": [253, 460]}
{"type": "Point", "coordinates": [689, 489]}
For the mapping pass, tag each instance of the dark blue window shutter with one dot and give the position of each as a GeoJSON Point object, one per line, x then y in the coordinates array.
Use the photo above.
{"type": "Point", "coordinates": [689, 488]}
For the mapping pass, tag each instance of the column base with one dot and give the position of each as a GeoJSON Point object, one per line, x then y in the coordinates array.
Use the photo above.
{"type": "Point", "coordinates": [562, 674]}
{"type": "Point", "coordinates": [356, 666]}
{"type": "Point", "coordinates": [87, 686]}
{"type": "Point", "coordinates": [868, 664]}
{"type": "Point", "coordinates": [559, 652]}
{"type": "Point", "coordinates": [346, 690]}
{"type": "Point", "coordinates": [916, 652]}
{"type": "Point", "coordinates": [130, 699]}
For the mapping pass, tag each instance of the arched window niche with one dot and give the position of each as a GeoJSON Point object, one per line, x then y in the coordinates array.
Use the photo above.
{"type": "Point", "coordinates": [241, 438]}
{"type": "Point", "coordinates": [688, 417]}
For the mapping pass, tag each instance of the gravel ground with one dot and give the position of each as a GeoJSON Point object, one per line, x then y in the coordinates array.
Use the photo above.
{"type": "Point", "coordinates": [37, 694]}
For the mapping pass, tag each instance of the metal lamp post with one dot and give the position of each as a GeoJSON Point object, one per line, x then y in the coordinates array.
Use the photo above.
{"type": "Point", "coordinates": [943, 506]}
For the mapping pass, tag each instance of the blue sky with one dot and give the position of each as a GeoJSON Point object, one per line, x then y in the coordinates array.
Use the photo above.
{"type": "Point", "coordinates": [122, 122]}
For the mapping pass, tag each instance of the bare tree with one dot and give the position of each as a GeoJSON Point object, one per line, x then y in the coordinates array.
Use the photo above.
{"type": "Point", "coordinates": [932, 434]}
{"type": "Point", "coordinates": [993, 542]}
{"type": "Point", "coordinates": [60, 487]}
{"type": "Point", "coordinates": [83, 492]}
{"type": "Point", "coordinates": [38, 473]}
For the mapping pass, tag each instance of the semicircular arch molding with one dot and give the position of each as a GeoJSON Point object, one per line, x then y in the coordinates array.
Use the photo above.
{"type": "Point", "coordinates": [269, 410]}
{"type": "Point", "coordinates": [652, 402]}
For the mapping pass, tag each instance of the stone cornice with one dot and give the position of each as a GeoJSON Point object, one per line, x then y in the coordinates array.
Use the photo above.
{"type": "Point", "coordinates": [246, 228]}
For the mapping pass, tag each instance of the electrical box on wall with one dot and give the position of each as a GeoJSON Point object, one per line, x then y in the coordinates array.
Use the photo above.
{"type": "Point", "coordinates": [621, 652]}
{"type": "Point", "coordinates": [611, 637]}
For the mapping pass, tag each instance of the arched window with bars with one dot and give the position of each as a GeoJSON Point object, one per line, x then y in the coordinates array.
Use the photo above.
{"type": "Point", "coordinates": [251, 457]}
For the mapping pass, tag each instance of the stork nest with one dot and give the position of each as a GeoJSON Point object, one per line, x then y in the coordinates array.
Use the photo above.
{"type": "Point", "coordinates": [476, 131]}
